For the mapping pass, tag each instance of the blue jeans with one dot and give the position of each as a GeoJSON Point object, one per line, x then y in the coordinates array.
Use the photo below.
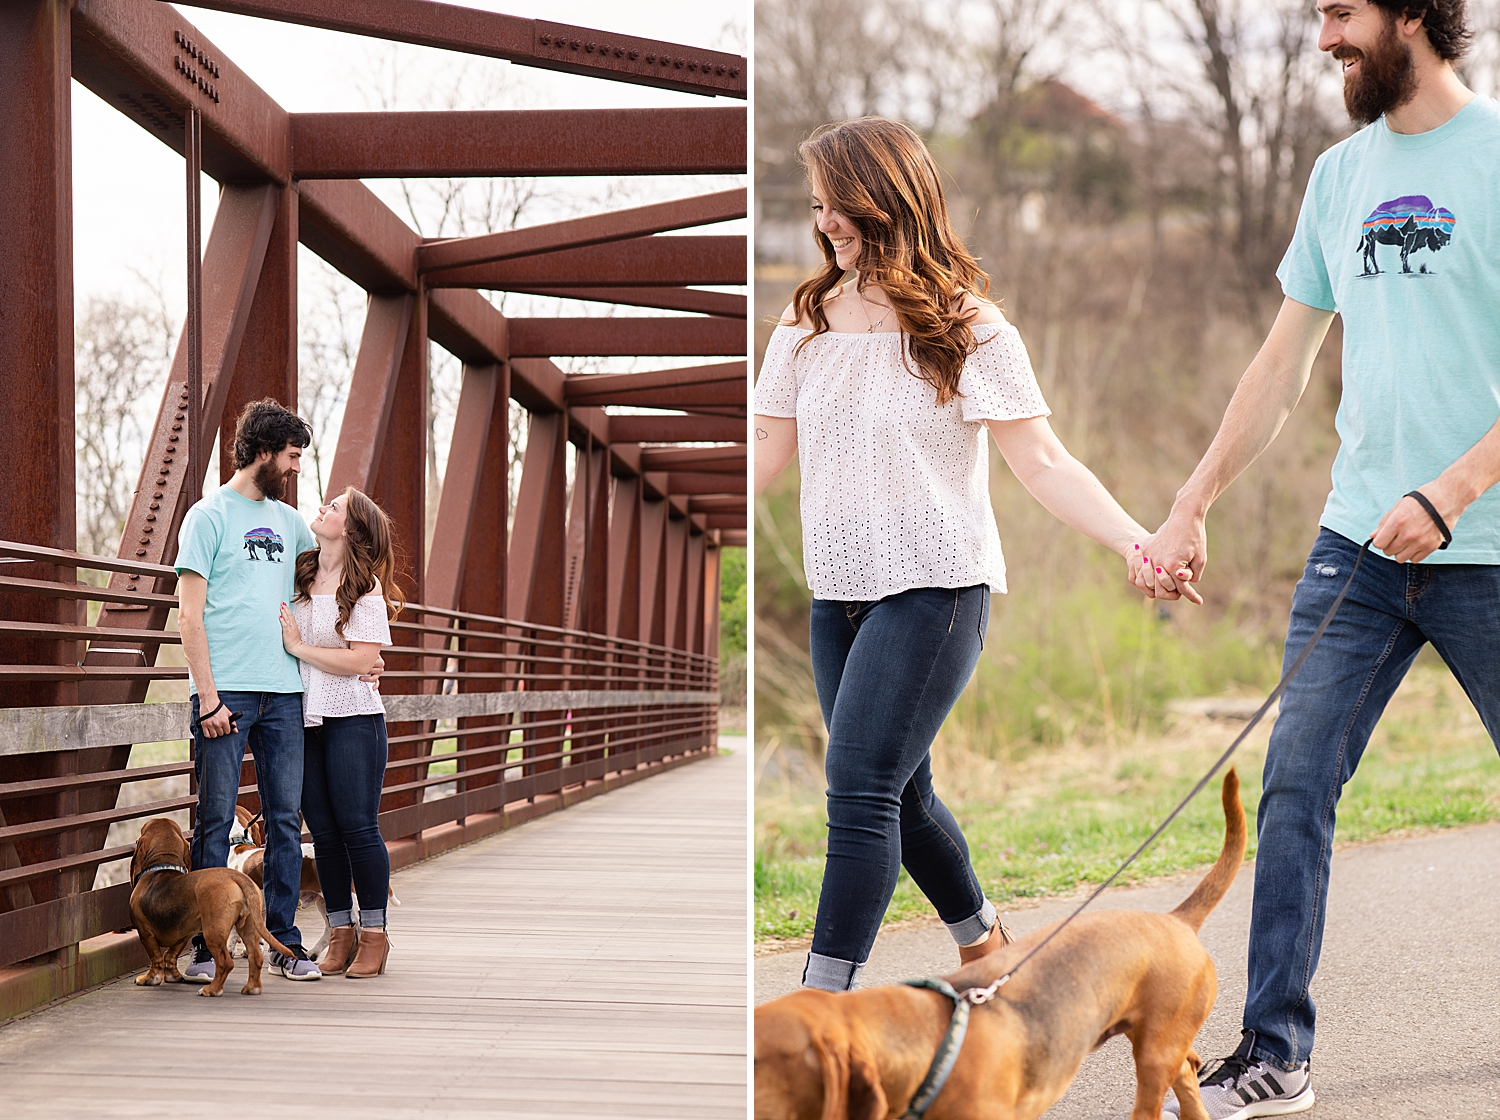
{"type": "Point", "coordinates": [341, 800]}
{"type": "Point", "coordinates": [270, 723]}
{"type": "Point", "coordinates": [887, 674]}
{"type": "Point", "coordinates": [1327, 715]}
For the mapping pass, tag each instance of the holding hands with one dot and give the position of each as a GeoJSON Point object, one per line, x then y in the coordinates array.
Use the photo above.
{"type": "Point", "coordinates": [1168, 563]}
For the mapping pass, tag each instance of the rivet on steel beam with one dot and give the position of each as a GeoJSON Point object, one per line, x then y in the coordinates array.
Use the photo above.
{"type": "Point", "coordinates": [680, 63]}
{"type": "Point", "coordinates": [588, 48]}
{"type": "Point", "coordinates": [719, 69]}
{"type": "Point", "coordinates": [734, 71]}
{"type": "Point", "coordinates": [140, 552]}
{"type": "Point", "coordinates": [634, 55]}
{"type": "Point", "coordinates": [157, 496]}
{"type": "Point", "coordinates": [651, 59]}
{"type": "Point", "coordinates": [546, 39]}
{"type": "Point", "coordinates": [575, 44]}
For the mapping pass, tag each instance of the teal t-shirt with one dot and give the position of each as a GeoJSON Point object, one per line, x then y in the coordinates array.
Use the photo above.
{"type": "Point", "coordinates": [1401, 236]}
{"type": "Point", "coordinates": [247, 551]}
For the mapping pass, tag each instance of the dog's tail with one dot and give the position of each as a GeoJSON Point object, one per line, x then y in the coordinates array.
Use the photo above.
{"type": "Point", "coordinates": [257, 903]}
{"type": "Point", "coordinates": [1198, 905]}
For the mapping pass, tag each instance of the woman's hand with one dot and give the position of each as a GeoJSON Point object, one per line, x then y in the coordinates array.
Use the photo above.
{"type": "Point", "coordinates": [291, 637]}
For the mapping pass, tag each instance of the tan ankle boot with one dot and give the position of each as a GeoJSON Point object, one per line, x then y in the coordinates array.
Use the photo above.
{"type": "Point", "coordinates": [374, 947]}
{"type": "Point", "coordinates": [340, 951]}
{"type": "Point", "coordinates": [999, 938]}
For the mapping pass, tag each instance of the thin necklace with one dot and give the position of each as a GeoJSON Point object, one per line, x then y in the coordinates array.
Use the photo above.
{"type": "Point", "coordinates": [876, 325]}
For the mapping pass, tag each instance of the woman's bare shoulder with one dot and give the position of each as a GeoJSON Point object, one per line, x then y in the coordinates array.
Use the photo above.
{"type": "Point", "coordinates": [979, 310]}
{"type": "Point", "coordinates": [789, 316]}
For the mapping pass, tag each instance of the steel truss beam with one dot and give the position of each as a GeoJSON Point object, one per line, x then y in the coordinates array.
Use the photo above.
{"type": "Point", "coordinates": [727, 304]}
{"type": "Point", "coordinates": [596, 229]}
{"type": "Point", "coordinates": [518, 142]}
{"type": "Point", "coordinates": [627, 336]}
{"type": "Point", "coordinates": [690, 387]}
{"type": "Point", "coordinates": [641, 262]}
{"type": "Point", "coordinates": [667, 428]}
{"type": "Point", "coordinates": [552, 46]}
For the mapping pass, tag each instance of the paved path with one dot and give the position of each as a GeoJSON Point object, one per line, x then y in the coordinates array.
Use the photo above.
{"type": "Point", "coordinates": [1408, 992]}
{"type": "Point", "coordinates": [591, 964]}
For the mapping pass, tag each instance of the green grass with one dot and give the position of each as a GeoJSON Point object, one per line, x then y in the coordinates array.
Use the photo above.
{"type": "Point", "coordinates": [1057, 819]}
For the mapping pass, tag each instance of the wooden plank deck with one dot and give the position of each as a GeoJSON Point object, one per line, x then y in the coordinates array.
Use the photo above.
{"type": "Point", "coordinates": [592, 963]}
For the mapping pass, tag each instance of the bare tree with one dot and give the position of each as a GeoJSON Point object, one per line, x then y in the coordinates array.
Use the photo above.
{"type": "Point", "coordinates": [1260, 73]}
{"type": "Point", "coordinates": [122, 353]}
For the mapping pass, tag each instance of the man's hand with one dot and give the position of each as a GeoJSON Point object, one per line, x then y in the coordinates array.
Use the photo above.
{"type": "Point", "coordinates": [372, 678]}
{"type": "Point", "coordinates": [1407, 534]}
{"type": "Point", "coordinates": [1173, 559]}
{"type": "Point", "coordinates": [217, 724]}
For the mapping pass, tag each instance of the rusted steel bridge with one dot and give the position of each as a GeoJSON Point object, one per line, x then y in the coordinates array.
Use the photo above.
{"type": "Point", "coordinates": [573, 653]}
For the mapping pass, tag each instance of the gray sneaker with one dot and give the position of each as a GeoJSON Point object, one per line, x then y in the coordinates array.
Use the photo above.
{"type": "Point", "coordinates": [298, 966]}
{"type": "Point", "coordinates": [201, 968]}
{"type": "Point", "coordinates": [1241, 1087]}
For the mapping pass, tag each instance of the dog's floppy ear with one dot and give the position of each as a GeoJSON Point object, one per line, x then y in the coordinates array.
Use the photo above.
{"type": "Point", "coordinates": [138, 859]}
{"type": "Point", "coordinates": [851, 1083]}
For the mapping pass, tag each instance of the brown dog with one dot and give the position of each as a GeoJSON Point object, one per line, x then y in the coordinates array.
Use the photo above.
{"type": "Point", "coordinates": [862, 1055]}
{"type": "Point", "coordinates": [168, 906]}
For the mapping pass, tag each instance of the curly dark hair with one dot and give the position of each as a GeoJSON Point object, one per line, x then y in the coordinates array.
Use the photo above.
{"type": "Point", "coordinates": [1445, 21]}
{"type": "Point", "coordinates": [267, 425]}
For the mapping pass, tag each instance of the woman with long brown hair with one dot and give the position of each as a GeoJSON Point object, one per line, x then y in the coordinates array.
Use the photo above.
{"type": "Point", "coordinates": [335, 627]}
{"type": "Point", "coordinates": [882, 376]}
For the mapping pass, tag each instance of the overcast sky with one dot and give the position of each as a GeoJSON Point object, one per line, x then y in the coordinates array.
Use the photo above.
{"type": "Point", "coordinates": [128, 198]}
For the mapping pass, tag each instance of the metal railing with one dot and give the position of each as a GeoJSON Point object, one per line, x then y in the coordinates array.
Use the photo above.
{"type": "Point", "coordinates": [531, 711]}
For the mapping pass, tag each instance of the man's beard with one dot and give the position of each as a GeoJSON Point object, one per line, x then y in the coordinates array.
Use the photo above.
{"type": "Point", "coordinates": [1385, 80]}
{"type": "Point", "coordinates": [270, 481]}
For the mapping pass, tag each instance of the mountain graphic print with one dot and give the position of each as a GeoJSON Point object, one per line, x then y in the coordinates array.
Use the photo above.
{"type": "Point", "coordinates": [1413, 222]}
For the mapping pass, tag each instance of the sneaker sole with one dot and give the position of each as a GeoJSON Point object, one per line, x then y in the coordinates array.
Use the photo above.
{"type": "Point", "coordinates": [303, 978]}
{"type": "Point", "coordinates": [1300, 1103]}
{"type": "Point", "coordinates": [192, 978]}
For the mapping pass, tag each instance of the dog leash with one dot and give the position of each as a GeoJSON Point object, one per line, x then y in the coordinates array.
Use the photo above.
{"type": "Point", "coordinates": [947, 1053]}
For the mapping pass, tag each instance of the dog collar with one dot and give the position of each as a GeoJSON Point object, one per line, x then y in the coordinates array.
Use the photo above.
{"type": "Point", "coordinates": [160, 867]}
{"type": "Point", "coordinates": [947, 1051]}
{"type": "Point", "coordinates": [238, 839]}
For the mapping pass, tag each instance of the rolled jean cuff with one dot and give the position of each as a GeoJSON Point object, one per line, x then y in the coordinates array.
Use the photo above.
{"type": "Point", "coordinates": [971, 931]}
{"type": "Point", "coordinates": [831, 974]}
{"type": "Point", "coordinates": [338, 918]}
{"type": "Point", "coordinates": [368, 918]}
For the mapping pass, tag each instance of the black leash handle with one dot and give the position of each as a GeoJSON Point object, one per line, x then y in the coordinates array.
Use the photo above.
{"type": "Point", "coordinates": [983, 995]}
{"type": "Point", "coordinates": [1437, 518]}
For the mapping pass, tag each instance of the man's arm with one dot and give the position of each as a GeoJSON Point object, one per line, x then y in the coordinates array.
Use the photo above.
{"type": "Point", "coordinates": [1265, 397]}
{"type": "Point", "coordinates": [775, 444]}
{"type": "Point", "coordinates": [192, 596]}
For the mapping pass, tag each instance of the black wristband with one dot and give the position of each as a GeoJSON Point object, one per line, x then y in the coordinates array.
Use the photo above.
{"type": "Point", "coordinates": [1437, 518]}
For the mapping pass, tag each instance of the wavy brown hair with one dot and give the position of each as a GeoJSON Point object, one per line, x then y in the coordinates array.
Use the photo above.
{"type": "Point", "coordinates": [878, 174]}
{"type": "Point", "coordinates": [369, 557]}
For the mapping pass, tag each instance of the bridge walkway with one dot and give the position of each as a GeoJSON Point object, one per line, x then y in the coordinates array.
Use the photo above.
{"type": "Point", "coordinates": [591, 963]}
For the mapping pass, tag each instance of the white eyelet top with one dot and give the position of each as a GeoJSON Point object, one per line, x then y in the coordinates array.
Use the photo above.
{"type": "Point", "coordinates": [895, 489]}
{"type": "Point", "coordinates": [324, 694]}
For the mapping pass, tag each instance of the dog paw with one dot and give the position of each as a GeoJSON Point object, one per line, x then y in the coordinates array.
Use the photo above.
{"type": "Point", "coordinates": [148, 979]}
{"type": "Point", "coordinates": [210, 992]}
{"type": "Point", "coordinates": [248, 990]}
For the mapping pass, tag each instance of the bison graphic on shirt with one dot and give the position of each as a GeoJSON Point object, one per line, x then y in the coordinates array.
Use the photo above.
{"type": "Point", "coordinates": [265, 540]}
{"type": "Point", "coordinates": [1412, 222]}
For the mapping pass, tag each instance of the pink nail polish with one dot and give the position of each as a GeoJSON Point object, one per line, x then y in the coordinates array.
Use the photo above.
{"type": "Point", "coordinates": [1158, 571]}
{"type": "Point", "coordinates": [1137, 548]}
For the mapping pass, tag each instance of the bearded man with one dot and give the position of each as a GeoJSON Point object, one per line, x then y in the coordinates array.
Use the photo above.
{"type": "Point", "coordinates": [1419, 455]}
{"type": "Point", "coordinates": [236, 562]}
